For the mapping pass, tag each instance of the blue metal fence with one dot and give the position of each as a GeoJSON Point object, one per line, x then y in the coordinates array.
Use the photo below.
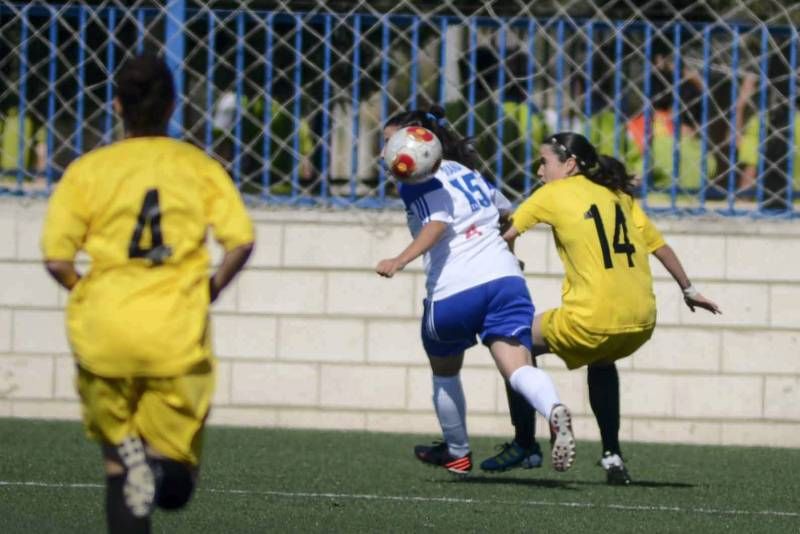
{"type": "Point", "coordinates": [549, 68]}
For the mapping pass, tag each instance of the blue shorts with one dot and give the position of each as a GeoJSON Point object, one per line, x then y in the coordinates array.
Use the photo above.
{"type": "Point", "coordinates": [501, 308]}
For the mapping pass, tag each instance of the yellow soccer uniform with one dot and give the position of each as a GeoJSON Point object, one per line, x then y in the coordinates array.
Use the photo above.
{"type": "Point", "coordinates": [604, 240]}
{"type": "Point", "coordinates": [141, 208]}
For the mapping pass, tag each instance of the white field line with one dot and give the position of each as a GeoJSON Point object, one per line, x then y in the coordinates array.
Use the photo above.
{"type": "Point", "coordinates": [449, 500]}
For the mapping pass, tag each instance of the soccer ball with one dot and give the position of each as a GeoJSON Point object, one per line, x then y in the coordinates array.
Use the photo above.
{"type": "Point", "coordinates": [413, 154]}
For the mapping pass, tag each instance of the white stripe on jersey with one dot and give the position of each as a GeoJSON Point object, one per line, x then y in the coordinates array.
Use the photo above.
{"type": "Point", "coordinates": [471, 252]}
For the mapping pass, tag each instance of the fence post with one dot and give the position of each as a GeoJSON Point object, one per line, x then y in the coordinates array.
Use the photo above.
{"type": "Point", "coordinates": [175, 45]}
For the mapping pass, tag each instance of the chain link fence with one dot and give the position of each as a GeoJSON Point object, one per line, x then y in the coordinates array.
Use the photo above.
{"type": "Point", "coordinates": [698, 99]}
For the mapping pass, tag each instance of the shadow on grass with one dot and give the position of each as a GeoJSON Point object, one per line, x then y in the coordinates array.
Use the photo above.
{"type": "Point", "coordinates": [558, 483]}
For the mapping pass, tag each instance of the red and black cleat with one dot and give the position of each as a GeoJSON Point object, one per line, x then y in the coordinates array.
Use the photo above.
{"type": "Point", "coordinates": [439, 455]}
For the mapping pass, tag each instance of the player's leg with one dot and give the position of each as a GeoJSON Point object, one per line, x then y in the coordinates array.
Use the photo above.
{"type": "Point", "coordinates": [171, 419]}
{"type": "Point", "coordinates": [107, 416]}
{"type": "Point", "coordinates": [448, 401]}
{"type": "Point", "coordinates": [445, 336]}
{"type": "Point", "coordinates": [603, 381]}
{"type": "Point", "coordinates": [523, 450]}
{"type": "Point", "coordinates": [538, 389]}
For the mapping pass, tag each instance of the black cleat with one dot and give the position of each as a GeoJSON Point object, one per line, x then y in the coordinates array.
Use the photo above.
{"type": "Point", "coordinates": [439, 455]}
{"type": "Point", "coordinates": [616, 474]}
{"type": "Point", "coordinates": [511, 455]}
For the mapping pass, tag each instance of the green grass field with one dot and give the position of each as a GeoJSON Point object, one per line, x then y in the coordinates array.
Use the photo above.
{"type": "Point", "coordinates": [256, 480]}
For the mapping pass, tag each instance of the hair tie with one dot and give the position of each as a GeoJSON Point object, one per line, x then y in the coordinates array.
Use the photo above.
{"type": "Point", "coordinates": [430, 116]}
{"type": "Point", "coordinates": [442, 122]}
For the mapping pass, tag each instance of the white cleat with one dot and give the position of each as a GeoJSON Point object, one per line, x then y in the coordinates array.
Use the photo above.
{"type": "Point", "coordinates": [562, 441]}
{"type": "Point", "coordinates": [140, 485]}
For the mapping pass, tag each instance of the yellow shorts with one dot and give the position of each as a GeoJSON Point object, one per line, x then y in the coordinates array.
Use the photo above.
{"type": "Point", "coordinates": [578, 346]}
{"type": "Point", "coordinates": [168, 413]}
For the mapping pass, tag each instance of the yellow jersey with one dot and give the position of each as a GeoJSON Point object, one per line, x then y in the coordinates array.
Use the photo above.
{"type": "Point", "coordinates": [604, 239]}
{"type": "Point", "coordinates": [141, 208]}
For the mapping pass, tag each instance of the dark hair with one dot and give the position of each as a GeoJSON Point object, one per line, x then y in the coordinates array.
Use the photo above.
{"type": "Point", "coordinates": [454, 147]}
{"type": "Point", "coordinates": [146, 92]}
{"type": "Point", "coordinates": [601, 169]}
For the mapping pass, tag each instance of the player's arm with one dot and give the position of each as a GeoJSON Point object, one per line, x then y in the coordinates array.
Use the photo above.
{"type": "Point", "coordinates": [659, 248]}
{"type": "Point", "coordinates": [64, 230]}
{"type": "Point", "coordinates": [231, 226]}
{"type": "Point", "coordinates": [63, 272]}
{"type": "Point", "coordinates": [691, 296]}
{"type": "Point", "coordinates": [430, 234]}
{"type": "Point", "coordinates": [232, 262]}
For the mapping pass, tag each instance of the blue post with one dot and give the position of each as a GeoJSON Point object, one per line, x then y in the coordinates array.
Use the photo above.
{"type": "Point", "coordinates": [559, 73]}
{"type": "Point", "coordinates": [384, 100]}
{"type": "Point", "coordinates": [175, 45]}
{"type": "Point", "coordinates": [326, 113]}
{"type": "Point", "coordinates": [618, 88]}
{"type": "Point", "coordinates": [648, 110]}
{"type": "Point", "coordinates": [704, 117]}
{"type": "Point", "coordinates": [499, 110]}
{"type": "Point", "coordinates": [140, 30]}
{"type": "Point", "coordinates": [297, 108]}
{"type": "Point", "coordinates": [762, 116]}
{"type": "Point", "coordinates": [52, 66]}
{"type": "Point", "coordinates": [240, 100]}
{"type": "Point", "coordinates": [22, 141]}
{"type": "Point", "coordinates": [529, 100]}
{"type": "Point", "coordinates": [356, 100]}
{"type": "Point", "coordinates": [676, 118]}
{"type": "Point", "coordinates": [414, 61]}
{"type": "Point", "coordinates": [588, 75]}
{"type": "Point", "coordinates": [266, 148]}
{"type": "Point", "coordinates": [108, 125]}
{"type": "Point", "coordinates": [473, 59]}
{"type": "Point", "coordinates": [792, 114]}
{"type": "Point", "coordinates": [210, 56]}
{"type": "Point", "coordinates": [732, 121]}
{"type": "Point", "coordinates": [442, 59]}
{"type": "Point", "coordinates": [81, 81]}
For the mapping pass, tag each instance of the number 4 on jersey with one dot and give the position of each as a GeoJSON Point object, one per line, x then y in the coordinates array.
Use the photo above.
{"type": "Point", "coordinates": [149, 217]}
{"type": "Point", "coordinates": [625, 247]}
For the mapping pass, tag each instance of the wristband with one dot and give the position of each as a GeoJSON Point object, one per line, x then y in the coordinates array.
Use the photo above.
{"type": "Point", "coordinates": [690, 292]}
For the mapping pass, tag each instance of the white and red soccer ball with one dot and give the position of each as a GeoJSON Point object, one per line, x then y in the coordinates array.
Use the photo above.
{"type": "Point", "coordinates": [413, 154]}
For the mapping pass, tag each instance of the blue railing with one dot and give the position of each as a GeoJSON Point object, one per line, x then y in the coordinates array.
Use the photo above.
{"type": "Point", "coordinates": [549, 68]}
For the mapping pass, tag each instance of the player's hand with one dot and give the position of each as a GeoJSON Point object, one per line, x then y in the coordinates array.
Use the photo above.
{"type": "Point", "coordinates": [699, 301]}
{"type": "Point", "coordinates": [213, 289]}
{"type": "Point", "coordinates": [388, 267]}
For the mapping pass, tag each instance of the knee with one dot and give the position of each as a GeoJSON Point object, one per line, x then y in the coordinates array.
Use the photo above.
{"type": "Point", "coordinates": [176, 484]}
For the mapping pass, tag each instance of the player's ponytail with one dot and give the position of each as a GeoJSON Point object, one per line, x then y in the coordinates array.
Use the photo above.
{"type": "Point", "coordinates": [601, 169]}
{"type": "Point", "coordinates": [454, 147]}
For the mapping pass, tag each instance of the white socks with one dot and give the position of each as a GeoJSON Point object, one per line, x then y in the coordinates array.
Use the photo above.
{"type": "Point", "coordinates": [537, 387]}
{"type": "Point", "coordinates": [451, 408]}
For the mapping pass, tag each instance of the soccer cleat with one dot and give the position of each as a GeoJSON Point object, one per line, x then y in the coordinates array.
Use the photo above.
{"type": "Point", "coordinates": [562, 442]}
{"type": "Point", "coordinates": [438, 454]}
{"type": "Point", "coordinates": [616, 474]}
{"type": "Point", "coordinates": [512, 455]}
{"type": "Point", "coordinates": [139, 488]}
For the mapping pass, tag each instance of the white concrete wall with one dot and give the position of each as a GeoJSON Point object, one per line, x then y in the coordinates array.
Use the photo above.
{"type": "Point", "coordinates": [310, 337]}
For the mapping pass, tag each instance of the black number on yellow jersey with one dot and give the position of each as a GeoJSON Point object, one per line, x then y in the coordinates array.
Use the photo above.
{"type": "Point", "coordinates": [625, 247]}
{"type": "Point", "coordinates": [150, 215]}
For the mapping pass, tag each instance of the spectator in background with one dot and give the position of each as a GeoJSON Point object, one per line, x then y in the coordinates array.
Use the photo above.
{"type": "Point", "coordinates": [602, 118]}
{"type": "Point", "coordinates": [689, 172]}
{"type": "Point", "coordinates": [34, 155]}
{"type": "Point", "coordinates": [517, 115]}
{"type": "Point", "coordinates": [776, 117]}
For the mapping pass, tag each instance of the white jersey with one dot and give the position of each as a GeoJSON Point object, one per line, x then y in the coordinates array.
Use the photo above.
{"type": "Point", "coordinates": [471, 251]}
